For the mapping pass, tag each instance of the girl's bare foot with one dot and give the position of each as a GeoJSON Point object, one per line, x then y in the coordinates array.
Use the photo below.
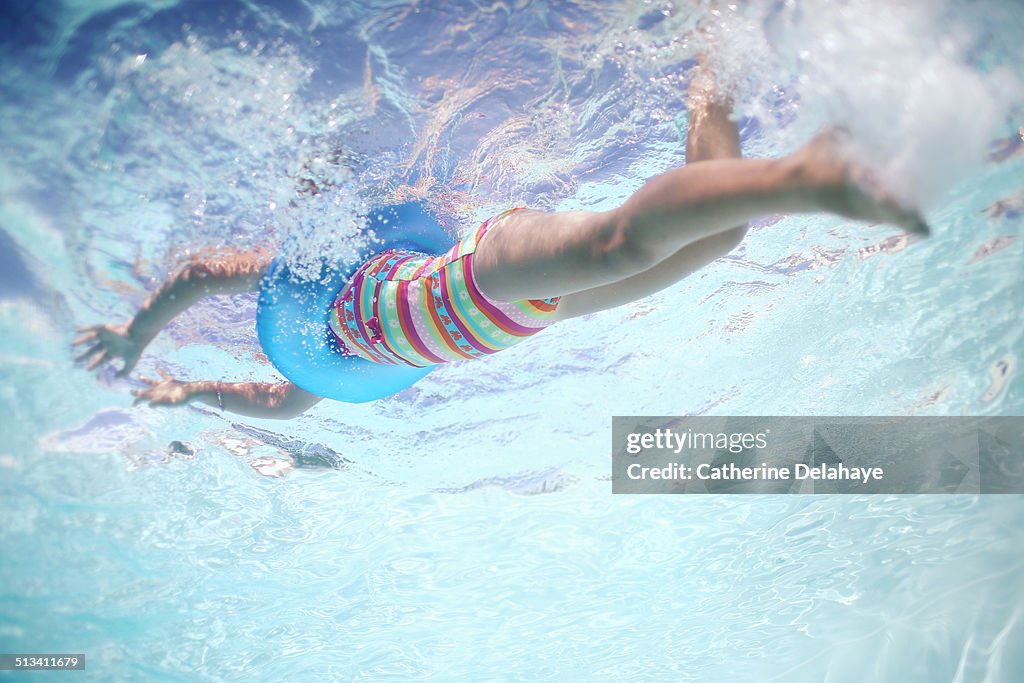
{"type": "Point", "coordinates": [711, 134]}
{"type": "Point", "coordinates": [847, 188]}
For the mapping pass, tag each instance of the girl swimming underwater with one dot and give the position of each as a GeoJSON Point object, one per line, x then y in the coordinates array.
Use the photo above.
{"type": "Point", "coordinates": [516, 274]}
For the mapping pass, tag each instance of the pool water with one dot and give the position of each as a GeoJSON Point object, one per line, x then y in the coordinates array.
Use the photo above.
{"type": "Point", "coordinates": [465, 528]}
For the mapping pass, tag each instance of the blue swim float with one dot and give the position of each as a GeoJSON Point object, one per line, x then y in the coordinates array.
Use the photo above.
{"type": "Point", "coordinates": [293, 313]}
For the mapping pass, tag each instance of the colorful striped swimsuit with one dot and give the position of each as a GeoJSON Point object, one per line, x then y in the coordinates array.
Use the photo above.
{"type": "Point", "coordinates": [404, 307]}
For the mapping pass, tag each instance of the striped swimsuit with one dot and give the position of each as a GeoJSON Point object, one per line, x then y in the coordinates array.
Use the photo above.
{"type": "Point", "coordinates": [407, 308]}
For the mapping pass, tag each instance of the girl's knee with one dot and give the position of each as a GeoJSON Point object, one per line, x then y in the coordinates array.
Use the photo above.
{"type": "Point", "coordinates": [620, 253]}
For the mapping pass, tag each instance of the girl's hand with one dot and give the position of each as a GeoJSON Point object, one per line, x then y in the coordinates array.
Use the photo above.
{"type": "Point", "coordinates": [166, 391]}
{"type": "Point", "coordinates": [108, 342]}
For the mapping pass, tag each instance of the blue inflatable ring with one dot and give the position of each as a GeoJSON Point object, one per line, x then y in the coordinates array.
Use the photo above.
{"type": "Point", "coordinates": [292, 315]}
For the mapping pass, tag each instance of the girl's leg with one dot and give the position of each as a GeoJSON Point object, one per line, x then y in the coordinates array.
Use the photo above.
{"type": "Point", "coordinates": [711, 135]}
{"type": "Point", "coordinates": [536, 255]}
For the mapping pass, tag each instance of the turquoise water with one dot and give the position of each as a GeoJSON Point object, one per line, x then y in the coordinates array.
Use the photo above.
{"type": "Point", "coordinates": [464, 529]}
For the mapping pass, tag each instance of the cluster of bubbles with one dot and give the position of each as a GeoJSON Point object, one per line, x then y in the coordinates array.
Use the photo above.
{"type": "Point", "coordinates": [906, 79]}
{"type": "Point", "coordinates": [227, 134]}
{"type": "Point", "coordinates": [326, 224]}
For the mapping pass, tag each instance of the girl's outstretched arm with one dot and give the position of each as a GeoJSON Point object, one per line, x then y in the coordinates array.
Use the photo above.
{"type": "Point", "coordinates": [230, 273]}
{"type": "Point", "coordinates": [281, 401]}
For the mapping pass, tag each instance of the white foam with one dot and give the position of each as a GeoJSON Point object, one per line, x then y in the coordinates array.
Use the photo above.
{"type": "Point", "coordinates": [331, 225]}
{"type": "Point", "coordinates": [900, 76]}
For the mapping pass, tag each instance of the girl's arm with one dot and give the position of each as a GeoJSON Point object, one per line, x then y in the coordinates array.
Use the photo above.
{"type": "Point", "coordinates": [281, 401]}
{"type": "Point", "coordinates": [223, 274]}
